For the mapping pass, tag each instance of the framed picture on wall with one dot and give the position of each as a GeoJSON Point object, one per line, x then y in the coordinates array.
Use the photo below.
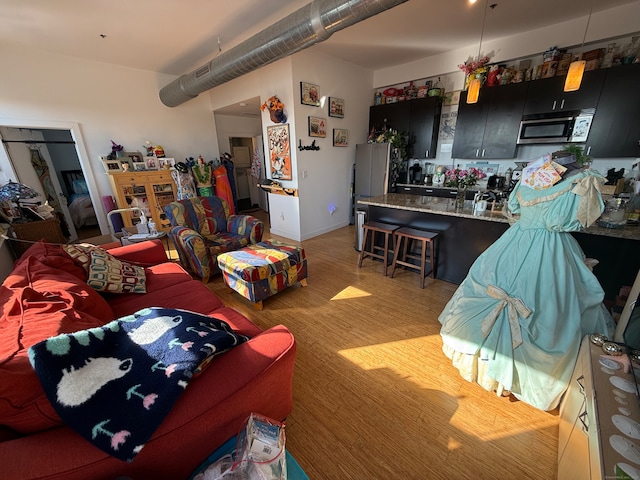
{"type": "Point", "coordinates": [279, 152]}
{"type": "Point", "coordinates": [317, 127]}
{"type": "Point", "coordinates": [340, 137]}
{"type": "Point", "coordinates": [309, 94]}
{"type": "Point", "coordinates": [336, 107]}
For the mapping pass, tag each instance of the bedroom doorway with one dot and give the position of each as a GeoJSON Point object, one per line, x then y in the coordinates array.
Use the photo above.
{"type": "Point", "coordinates": [60, 151]}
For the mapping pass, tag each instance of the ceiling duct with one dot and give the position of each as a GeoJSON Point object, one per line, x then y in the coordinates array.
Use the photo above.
{"type": "Point", "coordinates": [305, 27]}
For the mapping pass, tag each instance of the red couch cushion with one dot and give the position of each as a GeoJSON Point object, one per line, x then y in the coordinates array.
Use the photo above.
{"type": "Point", "coordinates": [37, 302]}
{"type": "Point", "coordinates": [53, 256]}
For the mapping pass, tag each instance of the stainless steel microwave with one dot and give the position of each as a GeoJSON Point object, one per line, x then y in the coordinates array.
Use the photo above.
{"type": "Point", "coordinates": [571, 127]}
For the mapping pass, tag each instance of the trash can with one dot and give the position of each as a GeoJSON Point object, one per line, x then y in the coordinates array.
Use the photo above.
{"type": "Point", "coordinates": [361, 218]}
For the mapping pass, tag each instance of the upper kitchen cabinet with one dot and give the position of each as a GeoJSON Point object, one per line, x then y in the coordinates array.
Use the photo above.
{"type": "Point", "coordinates": [615, 131]}
{"type": "Point", "coordinates": [547, 95]}
{"type": "Point", "coordinates": [419, 117]}
{"type": "Point", "coordinates": [489, 128]}
{"type": "Point", "coordinates": [389, 115]}
{"type": "Point", "coordinates": [425, 123]}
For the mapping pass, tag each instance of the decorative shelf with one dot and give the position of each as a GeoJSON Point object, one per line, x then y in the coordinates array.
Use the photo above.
{"type": "Point", "coordinates": [290, 192]}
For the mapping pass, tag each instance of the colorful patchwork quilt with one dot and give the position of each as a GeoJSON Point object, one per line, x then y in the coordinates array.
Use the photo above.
{"type": "Point", "coordinates": [115, 384]}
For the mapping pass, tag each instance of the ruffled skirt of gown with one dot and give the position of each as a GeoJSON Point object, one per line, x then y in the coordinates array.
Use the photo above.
{"type": "Point", "coordinates": [554, 300]}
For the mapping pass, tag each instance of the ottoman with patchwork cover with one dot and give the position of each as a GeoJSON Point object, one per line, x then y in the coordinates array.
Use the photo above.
{"type": "Point", "coordinates": [258, 271]}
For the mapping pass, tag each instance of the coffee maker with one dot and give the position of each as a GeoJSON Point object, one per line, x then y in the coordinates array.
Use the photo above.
{"type": "Point", "coordinates": [415, 173]}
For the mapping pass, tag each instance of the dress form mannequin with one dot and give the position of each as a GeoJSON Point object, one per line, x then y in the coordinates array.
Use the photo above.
{"type": "Point", "coordinates": [203, 175]}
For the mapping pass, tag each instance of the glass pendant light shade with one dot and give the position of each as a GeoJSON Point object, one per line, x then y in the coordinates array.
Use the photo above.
{"type": "Point", "coordinates": [474, 90]}
{"type": "Point", "coordinates": [574, 76]}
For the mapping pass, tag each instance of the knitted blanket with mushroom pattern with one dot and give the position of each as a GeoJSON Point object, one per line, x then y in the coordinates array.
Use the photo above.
{"type": "Point", "coordinates": [115, 384]}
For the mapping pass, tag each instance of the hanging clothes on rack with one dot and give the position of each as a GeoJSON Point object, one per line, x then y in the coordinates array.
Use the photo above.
{"type": "Point", "coordinates": [223, 187]}
{"type": "Point", "coordinates": [42, 170]}
{"type": "Point", "coordinates": [183, 181]}
{"type": "Point", "coordinates": [228, 163]}
{"type": "Point", "coordinates": [203, 175]}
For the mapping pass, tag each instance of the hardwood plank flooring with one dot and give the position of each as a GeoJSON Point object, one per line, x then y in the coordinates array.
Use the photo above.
{"type": "Point", "coordinates": [374, 396]}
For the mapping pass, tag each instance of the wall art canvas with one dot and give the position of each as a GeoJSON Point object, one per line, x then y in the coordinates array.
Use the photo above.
{"type": "Point", "coordinates": [317, 127]}
{"type": "Point", "coordinates": [279, 152]}
{"type": "Point", "coordinates": [309, 94]}
{"type": "Point", "coordinates": [336, 107]}
{"type": "Point", "coordinates": [340, 137]}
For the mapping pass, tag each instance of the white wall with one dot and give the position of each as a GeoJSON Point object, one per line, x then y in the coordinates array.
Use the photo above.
{"type": "Point", "coordinates": [230, 126]}
{"type": "Point", "coordinates": [108, 102]}
{"type": "Point", "coordinates": [325, 175]}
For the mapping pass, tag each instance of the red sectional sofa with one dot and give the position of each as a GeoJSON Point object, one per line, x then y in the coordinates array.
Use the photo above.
{"type": "Point", "coordinates": [46, 294]}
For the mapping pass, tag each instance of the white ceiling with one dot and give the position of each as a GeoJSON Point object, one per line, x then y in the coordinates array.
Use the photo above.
{"type": "Point", "coordinates": [177, 36]}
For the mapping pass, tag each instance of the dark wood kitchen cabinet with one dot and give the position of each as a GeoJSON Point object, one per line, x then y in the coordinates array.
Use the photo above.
{"type": "Point", "coordinates": [547, 95]}
{"type": "Point", "coordinates": [419, 117]}
{"type": "Point", "coordinates": [389, 115]}
{"type": "Point", "coordinates": [615, 131]}
{"type": "Point", "coordinates": [424, 114]}
{"type": "Point", "coordinates": [489, 128]}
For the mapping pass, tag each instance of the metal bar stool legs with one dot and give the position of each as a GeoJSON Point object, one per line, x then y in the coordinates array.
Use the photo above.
{"type": "Point", "coordinates": [402, 241]}
{"type": "Point", "coordinates": [369, 247]}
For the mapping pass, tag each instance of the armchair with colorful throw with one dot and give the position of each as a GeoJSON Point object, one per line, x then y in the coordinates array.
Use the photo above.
{"type": "Point", "coordinates": [202, 228]}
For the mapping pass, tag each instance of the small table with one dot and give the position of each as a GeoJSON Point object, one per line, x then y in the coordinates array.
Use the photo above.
{"type": "Point", "coordinates": [261, 270]}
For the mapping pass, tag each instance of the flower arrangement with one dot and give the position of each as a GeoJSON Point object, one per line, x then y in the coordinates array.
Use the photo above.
{"type": "Point", "coordinates": [463, 178]}
{"type": "Point", "coordinates": [472, 66]}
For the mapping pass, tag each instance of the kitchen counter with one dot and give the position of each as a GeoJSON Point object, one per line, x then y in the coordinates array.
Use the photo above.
{"type": "Point", "coordinates": [444, 206]}
{"type": "Point", "coordinates": [464, 236]}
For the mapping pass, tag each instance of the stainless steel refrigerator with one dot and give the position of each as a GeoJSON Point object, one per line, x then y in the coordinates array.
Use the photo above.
{"type": "Point", "coordinates": [370, 178]}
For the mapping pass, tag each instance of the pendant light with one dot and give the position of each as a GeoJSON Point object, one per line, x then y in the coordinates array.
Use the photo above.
{"type": "Point", "coordinates": [576, 69]}
{"type": "Point", "coordinates": [474, 85]}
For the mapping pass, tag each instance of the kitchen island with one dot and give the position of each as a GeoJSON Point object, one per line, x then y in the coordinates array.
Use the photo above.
{"type": "Point", "coordinates": [464, 236]}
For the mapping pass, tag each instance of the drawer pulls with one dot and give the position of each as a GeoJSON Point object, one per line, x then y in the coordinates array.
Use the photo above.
{"type": "Point", "coordinates": [579, 381]}
{"type": "Point", "coordinates": [582, 417]}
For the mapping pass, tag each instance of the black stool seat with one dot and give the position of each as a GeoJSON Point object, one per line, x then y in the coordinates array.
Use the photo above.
{"type": "Point", "coordinates": [426, 239]}
{"type": "Point", "coordinates": [369, 241]}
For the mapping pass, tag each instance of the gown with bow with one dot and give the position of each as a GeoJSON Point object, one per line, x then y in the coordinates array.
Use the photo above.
{"type": "Point", "coordinates": [516, 321]}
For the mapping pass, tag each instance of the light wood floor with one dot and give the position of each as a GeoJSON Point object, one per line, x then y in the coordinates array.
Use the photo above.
{"type": "Point", "coordinates": [374, 396]}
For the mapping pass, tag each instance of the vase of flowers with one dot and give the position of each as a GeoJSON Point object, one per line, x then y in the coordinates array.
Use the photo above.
{"type": "Point", "coordinates": [474, 69]}
{"type": "Point", "coordinates": [461, 179]}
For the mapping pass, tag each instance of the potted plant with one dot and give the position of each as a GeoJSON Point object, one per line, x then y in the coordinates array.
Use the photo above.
{"type": "Point", "coordinates": [578, 152]}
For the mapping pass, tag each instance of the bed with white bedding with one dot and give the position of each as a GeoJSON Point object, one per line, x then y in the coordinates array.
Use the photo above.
{"type": "Point", "coordinates": [79, 201]}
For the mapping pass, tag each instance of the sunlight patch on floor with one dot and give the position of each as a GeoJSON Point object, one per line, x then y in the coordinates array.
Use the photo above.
{"type": "Point", "coordinates": [350, 292]}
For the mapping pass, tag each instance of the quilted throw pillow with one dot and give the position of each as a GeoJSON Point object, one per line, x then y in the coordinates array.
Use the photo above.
{"type": "Point", "coordinates": [81, 253]}
{"type": "Point", "coordinates": [107, 274]}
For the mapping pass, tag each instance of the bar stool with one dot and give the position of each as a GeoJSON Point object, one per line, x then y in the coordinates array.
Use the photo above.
{"type": "Point", "coordinates": [426, 239]}
{"type": "Point", "coordinates": [376, 227]}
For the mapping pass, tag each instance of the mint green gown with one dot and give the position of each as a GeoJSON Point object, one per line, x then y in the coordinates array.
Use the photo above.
{"type": "Point", "coordinates": [516, 321]}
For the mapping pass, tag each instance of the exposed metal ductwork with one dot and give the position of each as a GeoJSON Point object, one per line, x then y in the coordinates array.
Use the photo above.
{"type": "Point", "coordinates": [305, 27]}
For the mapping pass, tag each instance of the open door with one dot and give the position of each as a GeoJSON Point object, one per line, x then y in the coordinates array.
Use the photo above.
{"type": "Point", "coordinates": [33, 166]}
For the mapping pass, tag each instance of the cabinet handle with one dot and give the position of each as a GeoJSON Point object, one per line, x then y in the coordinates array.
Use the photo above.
{"type": "Point", "coordinates": [554, 105]}
{"type": "Point", "coordinates": [483, 152]}
{"type": "Point", "coordinates": [407, 189]}
{"type": "Point", "coordinates": [579, 381]}
{"type": "Point", "coordinates": [582, 417]}
{"type": "Point", "coordinates": [588, 149]}
{"type": "Point", "coordinates": [428, 191]}
{"type": "Point", "coordinates": [427, 154]}
{"type": "Point", "coordinates": [562, 104]}
{"type": "Point", "coordinates": [478, 152]}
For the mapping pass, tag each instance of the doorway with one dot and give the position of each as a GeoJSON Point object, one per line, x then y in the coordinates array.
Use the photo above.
{"type": "Point", "coordinates": [58, 148]}
{"type": "Point", "coordinates": [242, 153]}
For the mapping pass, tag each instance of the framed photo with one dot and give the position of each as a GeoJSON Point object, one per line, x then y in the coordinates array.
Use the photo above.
{"type": "Point", "coordinates": [139, 166]}
{"type": "Point", "coordinates": [111, 166]}
{"type": "Point", "coordinates": [126, 164]}
{"type": "Point", "coordinates": [309, 94]}
{"type": "Point", "coordinates": [279, 152]}
{"type": "Point", "coordinates": [151, 163]}
{"type": "Point", "coordinates": [336, 107]}
{"type": "Point", "coordinates": [340, 137]}
{"type": "Point", "coordinates": [166, 163]}
{"type": "Point", "coordinates": [317, 127]}
{"type": "Point", "coordinates": [133, 156]}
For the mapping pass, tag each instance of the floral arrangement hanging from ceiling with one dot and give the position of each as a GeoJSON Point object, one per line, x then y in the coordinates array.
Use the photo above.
{"type": "Point", "coordinates": [276, 109]}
